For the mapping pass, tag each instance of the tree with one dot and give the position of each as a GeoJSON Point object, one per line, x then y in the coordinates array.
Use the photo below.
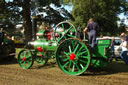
{"type": "Point", "coordinates": [5, 17]}
{"type": "Point", "coordinates": [24, 8]}
{"type": "Point", "coordinates": [103, 11]}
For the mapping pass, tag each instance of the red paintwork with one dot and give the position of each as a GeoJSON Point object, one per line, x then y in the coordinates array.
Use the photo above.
{"type": "Point", "coordinates": [23, 58]}
{"type": "Point", "coordinates": [49, 35]}
{"type": "Point", "coordinates": [72, 56]}
{"type": "Point", "coordinates": [39, 49]}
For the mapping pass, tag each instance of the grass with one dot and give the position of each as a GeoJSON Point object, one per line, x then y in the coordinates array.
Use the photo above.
{"type": "Point", "coordinates": [17, 52]}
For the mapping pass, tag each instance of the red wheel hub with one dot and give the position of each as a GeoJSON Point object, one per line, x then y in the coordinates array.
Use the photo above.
{"type": "Point", "coordinates": [23, 58]}
{"type": "Point", "coordinates": [72, 56]}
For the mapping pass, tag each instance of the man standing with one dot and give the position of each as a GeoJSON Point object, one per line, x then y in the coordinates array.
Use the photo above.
{"type": "Point", "coordinates": [92, 28]}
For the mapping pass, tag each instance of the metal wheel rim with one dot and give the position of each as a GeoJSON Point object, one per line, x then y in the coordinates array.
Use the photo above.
{"type": "Point", "coordinates": [25, 59]}
{"type": "Point", "coordinates": [78, 65]}
{"type": "Point", "coordinates": [65, 31]}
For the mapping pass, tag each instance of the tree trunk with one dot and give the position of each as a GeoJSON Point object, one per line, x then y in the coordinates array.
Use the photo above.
{"type": "Point", "coordinates": [27, 20]}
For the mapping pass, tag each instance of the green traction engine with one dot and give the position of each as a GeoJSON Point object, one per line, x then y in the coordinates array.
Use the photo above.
{"type": "Point", "coordinates": [73, 54]}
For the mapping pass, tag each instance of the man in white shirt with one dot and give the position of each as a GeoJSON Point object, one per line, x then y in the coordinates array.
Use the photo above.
{"type": "Point", "coordinates": [124, 53]}
{"type": "Point", "coordinates": [124, 44]}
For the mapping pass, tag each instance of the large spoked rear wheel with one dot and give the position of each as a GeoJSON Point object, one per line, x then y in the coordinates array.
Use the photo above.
{"type": "Point", "coordinates": [25, 59]}
{"type": "Point", "coordinates": [64, 30]}
{"type": "Point", "coordinates": [73, 56]}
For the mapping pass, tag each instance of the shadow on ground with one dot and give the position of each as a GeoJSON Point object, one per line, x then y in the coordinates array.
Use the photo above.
{"type": "Point", "coordinates": [8, 60]}
{"type": "Point", "coordinates": [113, 68]}
{"type": "Point", "coordinates": [46, 66]}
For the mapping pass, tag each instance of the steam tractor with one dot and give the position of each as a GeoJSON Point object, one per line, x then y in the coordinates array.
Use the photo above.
{"type": "Point", "coordinates": [7, 47]}
{"type": "Point", "coordinates": [73, 54]}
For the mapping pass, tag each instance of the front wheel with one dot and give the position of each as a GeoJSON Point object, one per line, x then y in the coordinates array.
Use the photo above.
{"type": "Point", "coordinates": [25, 59]}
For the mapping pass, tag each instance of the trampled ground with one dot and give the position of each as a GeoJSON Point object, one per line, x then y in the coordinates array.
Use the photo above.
{"type": "Point", "coordinates": [50, 74]}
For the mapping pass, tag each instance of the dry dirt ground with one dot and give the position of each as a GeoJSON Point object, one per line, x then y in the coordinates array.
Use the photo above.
{"type": "Point", "coordinates": [50, 74]}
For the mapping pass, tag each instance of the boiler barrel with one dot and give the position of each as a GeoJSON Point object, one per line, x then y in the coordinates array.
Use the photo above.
{"type": "Point", "coordinates": [44, 44]}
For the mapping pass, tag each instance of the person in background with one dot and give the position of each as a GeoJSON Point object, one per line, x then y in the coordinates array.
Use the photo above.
{"type": "Point", "coordinates": [123, 44]}
{"type": "Point", "coordinates": [45, 31]}
{"type": "Point", "coordinates": [101, 36]}
{"type": "Point", "coordinates": [43, 26]}
{"type": "Point", "coordinates": [124, 48]}
{"type": "Point", "coordinates": [124, 35]}
{"type": "Point", "coordinates": [113, 49]}
{"type": "Point", "coordinates": [92, 28]}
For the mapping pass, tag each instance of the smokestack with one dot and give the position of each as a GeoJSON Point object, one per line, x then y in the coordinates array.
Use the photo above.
{"type": "Point", "coordinates": [34, 27]}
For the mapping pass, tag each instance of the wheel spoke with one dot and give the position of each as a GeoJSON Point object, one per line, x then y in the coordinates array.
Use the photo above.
{"type": "Point", "coordinates": [28, 62]}
{"type": "Point", "coordinates": [65, 64]}
{"type": "Point", "coordinates": [77, 67]}
{"type": "Point", "coordinates": [70, 63]}
{"type": "Point", "coordinates": [24, 53]}
{"type": "Point", "coordinates": [63, 27]}
{"type": "Point", "coordinates": [81, 53]}
{"type": "Point", "coordinates": [60, 38]}
{"type": "Point", "coordinates": [25, 64]}
{"type": "Point", "coordinates": [81, 66]}
{"type": "Point", "coordinates": [65, 59]}
{"type": "Point", "coordinates": [69, 48]}
{"type": "Point", "coordinates": [73, 44]}
{"type": "Point", "coordinates": [21, 57]}
{"type": "Point", "coordinates": [28, 56]}
{"type": "Point", "coordinates": [21, 61]}
{"type": "Point", "coordinates": [69, 29]}
{"type": "Point", "coordinates": [57, 39]}
{"type": "Point", "coordinates": [76, 48]}
{"type": "Point", "coordinates": [73, 67]}
{"type": "Point", "coordinates": [71, 36]}
{"type": "Point", "coordinates": [65, 37]}
{"type": "Point", "coordinates": [82, 61]}
{"type": "Point", "coordinates": [80, 48]}
{"type": "Point", "coordinates": [66, 53]}
{"type": "Point", "coordinates": [86, 57]}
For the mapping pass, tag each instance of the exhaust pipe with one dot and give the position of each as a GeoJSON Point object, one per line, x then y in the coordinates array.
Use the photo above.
{"type": "Point", "coordinates": [34, 27]}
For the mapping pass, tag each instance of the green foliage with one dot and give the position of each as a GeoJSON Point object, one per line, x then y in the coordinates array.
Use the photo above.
{"type": "Point", "coordinates": [104, 13]}
{"type": "Point", "coordinates": [20, 11]}
{"type": "Point", "coordinates": [5, 20]}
